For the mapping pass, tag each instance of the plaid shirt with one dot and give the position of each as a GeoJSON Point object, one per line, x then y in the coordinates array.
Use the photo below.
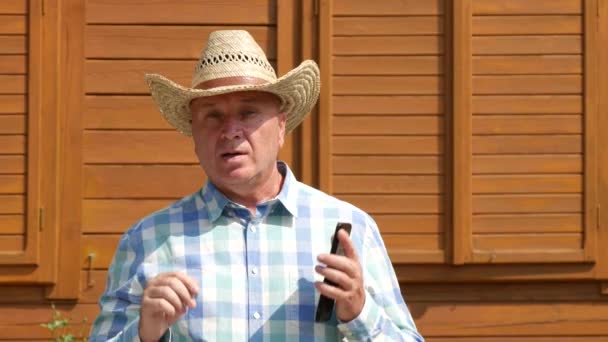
{"type": "Point", "coordinates": [255, 273]}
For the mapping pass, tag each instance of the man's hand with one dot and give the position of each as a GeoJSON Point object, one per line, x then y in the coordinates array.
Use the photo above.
{"type": "Point", "coordinates": [166, 298]}
{"type": "Point", "coordinates": [345, 271]}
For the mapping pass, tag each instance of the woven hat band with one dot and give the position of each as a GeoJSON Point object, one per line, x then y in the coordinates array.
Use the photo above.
{"type": "Point", "coordinates": [230, 81]}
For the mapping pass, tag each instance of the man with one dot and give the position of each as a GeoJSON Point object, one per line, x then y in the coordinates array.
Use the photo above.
{"type": "Point", "coordinates": [244, 258]}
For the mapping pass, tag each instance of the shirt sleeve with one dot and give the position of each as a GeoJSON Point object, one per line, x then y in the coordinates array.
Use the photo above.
{"type": "Point", "coordinates": [385, 316]}
{"type": "Point", "coordinates": [121, 300]}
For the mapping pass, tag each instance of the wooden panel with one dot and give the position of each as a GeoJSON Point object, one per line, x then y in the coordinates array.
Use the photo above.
{"type": "Point", "coordinates": [12, 104]}
{"type": "Point", "coordinates": [13, 6]}
{"type": "Point", "coordinates": [13, 64]}
{"type": "Point", "coordinates": [12, 124]}
{"type": "Point", "coordinates": [387, 65]}
{"type": "Point", "coordinates": [503, 7]}
{"type": "Point", "coordinates": [12, 184]}
{"type": "Point", "coordinates": [13, 144]}
{"type": "Point", "coordinates": [13, 24]}
{"type": "Point", "coordinates": [157, 42]}
{"type": "Point", "coordinates": [11, 224]}
{"type": "Point", "coordinates": [12, 45]}
{"type": "Point", "coordinates": [143, 147]}
{"type": "Point", "coordinates": [556, 64]}
{"type": "Point", "coordinates": [507, 319]}
{"type": "Point", "coordinates": [528, 164]}
{"type": "Point", "coordinates": [11, 204]}
{"type": "Point", "coordinates": [412, 242]}
{"type": "Point", "coordinates": [387, 85]}
{"type": "Point", "coordinates": [12, 164]}
{"type": "Point", "coordinates": [527, 184]}
{"type": "Point", "coordinates": [387, 145]}
{"type": "Point", "coordinates": [11, 243]}
{"type": "Point", "coordinates": [116, 76]}
{"type": "Point", "coordinates": [116, 216]}
{"type": "Point", "coordinates": [344, 165]}
{"type": "Point", "coordinates": [412, 224]}
{"type": "Point", "coordinates": [537, 104]}
{"type": "Point", "coordinates": [543, 84]}
{"type": "Point", "coordinates": [541, 242]}
{"type": "Point", "coordinates": [431, 105]}
{"type": "Point", "coordinates": [122, 112]}
{"type": "Point", "coordinates": [142, 181]}
{"type": "Point", "coordinates": [516, 45]}
{"type": "Point", "coordinates": [386, 184]}
{"type": "Point", "coordinates": [92, 294]}
{"type": "Point", "coordinates": [387, 7]}
{"type": "Point", "coordinates": [549, 223]}
{"type": "Point", "coordinates": [260, 12]}
{"type": "Point", "coordinates": [529, 124]}
{"type": "Point", "coordinates": [408, 45]}
{"type": "Point", "coordinates": [387, 125]}
{"type": "Point", "coordinates": [103, 246]}
{"type": "Point", "coordinates": [488, 204]}
{"type": "Point", "coordinates": [513, 25]}
{"type": "Point", "coordinates": [394, 204]}
{"type": "Point", "coordinates": [527, 144]}
{"type": "Point", "coordinates": [387, 26]}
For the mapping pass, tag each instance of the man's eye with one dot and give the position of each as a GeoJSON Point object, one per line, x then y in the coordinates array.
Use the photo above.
{"type": "Point", "coordinates": [214, 115]}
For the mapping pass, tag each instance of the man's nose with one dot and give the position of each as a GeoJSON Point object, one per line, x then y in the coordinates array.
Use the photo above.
{"type": "Point", "coordinates": [232, 128]}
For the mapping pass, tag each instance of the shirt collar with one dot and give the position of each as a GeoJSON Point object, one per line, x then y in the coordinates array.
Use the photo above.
{"type": "Point", "coordinates": [216, 201]}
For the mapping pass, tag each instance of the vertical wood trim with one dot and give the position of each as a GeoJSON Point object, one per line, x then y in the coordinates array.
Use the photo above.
{"type": "Point", "coordinates": [461, 133]}
{"type": "Point", "coordinates": [71, 93]}
{"type": "Point", "coordinates": [448, 165]}
{"type": "Point", "coordinates": [325, 100]}
{"type": "Point", "coordinates": [601, 269]}
{"type": "Point", "coordinates": [308, 134]}
{"type": "Point", "coordinates": [285, 62]}
{"type": "Point", "coordinates": [591, 103]}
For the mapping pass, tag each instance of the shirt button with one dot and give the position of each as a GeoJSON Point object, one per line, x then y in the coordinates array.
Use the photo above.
{"type": "Point", "coordinates": [256, 315]}
{"type": "Point", "coordinates": [252, 228]}
{"type": "Point", "coordinates": [254, 270]}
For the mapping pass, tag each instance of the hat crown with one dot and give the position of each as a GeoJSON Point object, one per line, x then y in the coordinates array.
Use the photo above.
{"type": "Point", "coordinates": [232, 53]}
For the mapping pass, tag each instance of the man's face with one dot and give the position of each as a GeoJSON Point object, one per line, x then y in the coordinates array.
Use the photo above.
{"type": "Point", "coordinates": [237, 137]}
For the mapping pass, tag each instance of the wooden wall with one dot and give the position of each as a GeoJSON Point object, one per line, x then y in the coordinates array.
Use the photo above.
{"type": "Point", "coordinates": [462, 126]}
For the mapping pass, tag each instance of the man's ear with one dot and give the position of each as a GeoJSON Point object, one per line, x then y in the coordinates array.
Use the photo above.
{"type": "Point", "coordinates": [282, 125]}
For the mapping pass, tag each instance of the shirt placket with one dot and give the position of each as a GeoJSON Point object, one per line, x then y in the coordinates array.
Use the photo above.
{"type": "Point", "coordinates": [256, 311]}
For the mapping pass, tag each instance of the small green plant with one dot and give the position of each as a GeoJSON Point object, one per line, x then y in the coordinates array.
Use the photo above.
{"type": "Point", "coordinates": [60, 327]}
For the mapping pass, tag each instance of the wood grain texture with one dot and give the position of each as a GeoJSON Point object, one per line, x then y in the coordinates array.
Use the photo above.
{"type": "Point", "coordinates": [122, 112]}
{"type": "Point", "coordinates": [387, 125]}
{"type": "Point", "coordinates": [143, 147]}
{"type": "Point", "coordinates": [142, 181]}
{"type": "Point", "coordinates": [388, 26]}
{"type": "Point", "coordinates": [529, 124]}
{"type": "Point", "coordinates": [522, 45]}
{"type": "Point", "coordinates": [520, 241]}
{"type": "Point", "coordinates": [382, 145]}
{"type": "Point", "coordinates": [387, 65]}
{"type": "Point", "coordinates": [11, 224]}
{"type": "Point", "coordinates": [412, 224]}
{"type": "Point", "coordinates": [533, 85]}
{"type": "Point", "coordinates": [527, 104]}
{"type": "Point", "coordinates": [102, 246]}
{"type": "Point", "coordinates": [159, 42]}
{"type": "Point", "coordinates": [510, 7]}
{"type": "Point", "coordinates": [12, 124]}
{"type": "Point", "coordinates": [12, 164]}
{"type": "Point", "coordinates": [508, 184]}
{"type": "Point", "coordinates": [513, 65]}
{"type": "Point", "coordinates": [411, 242]}
{"type": "Point", "coordinates": [13, 24]}
{"type": "Point", "coordinates": [12, 104]}
{"type": "Point", "coordinates": [117, 215]}
{"type": "Point", "coordinates": [527, 24]}
{"type": "Point", "coordinates": [13, 45]}
{"type": "Point", "coordinates": [344, 165]}
{"type": "Point", "coordinates": [401, 45]}
{"type": "Point", "coordinates": [527, 164]}
{"type": "Point", "coordinates": [13, 64]}
{"type": "Point", "coordinates": [527, 144]}
{"type": "Point", "coordinates": [12, 184]}
{"type": "Point", "coordinates": [13, 7]}
{"type": "Point", "coordinates": [12, 144]}
{"type": "Point", "coordinates": [259, 12]}
{"type": "Point", "coordinates": [387, 7]}
{"type": "Point", "coordinates": [515, 204]}
{"type": "Point", "coordinates": [388, 184]}
{"type": "Point", "coordinates": [393, 204]}
{"type": "Point", "coordinates": [533, 223]}
{"type": "Point", "coordinates": [387, 105]}
{"type": "Point", "coordinates": [387, 85]}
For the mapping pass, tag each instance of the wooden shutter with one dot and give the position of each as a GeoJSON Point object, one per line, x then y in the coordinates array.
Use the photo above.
{"type": "Point", "coordinates": [18, 135]}
{"type": "Point", "coordinates": [524, 138]}
{"type": "Point", "coordinates": [383, 118]}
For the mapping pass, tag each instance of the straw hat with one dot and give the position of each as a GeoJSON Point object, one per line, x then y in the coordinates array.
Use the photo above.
{"type": "Point", "coordinates": [233, 61]}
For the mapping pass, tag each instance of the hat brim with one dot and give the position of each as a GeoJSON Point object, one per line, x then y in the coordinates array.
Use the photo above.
{"type": "Point", "coordinates": [297, 89]}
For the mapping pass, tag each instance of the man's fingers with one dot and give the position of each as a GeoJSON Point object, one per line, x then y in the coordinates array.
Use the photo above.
{"type": "Point", "coordinates": [166, 293]}
{"type": "Point", "coordinates": [190, 283]}
{"type": "Point", "coordinates": [347, 244]}
{"type": "Point", "coordinates": [337, 277]}
{"type": "Point", "coordinates": [162, 307]}
{"type": "Point", "coordinates": [177, 286]}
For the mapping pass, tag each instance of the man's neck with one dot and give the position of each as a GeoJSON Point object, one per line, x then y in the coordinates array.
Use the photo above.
{"type": "Point", "coordinates": [257, 193]}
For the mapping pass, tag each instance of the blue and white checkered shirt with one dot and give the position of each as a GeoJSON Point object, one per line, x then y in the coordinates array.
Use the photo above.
{"type": "Point", "coordinates": [255, 273]}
